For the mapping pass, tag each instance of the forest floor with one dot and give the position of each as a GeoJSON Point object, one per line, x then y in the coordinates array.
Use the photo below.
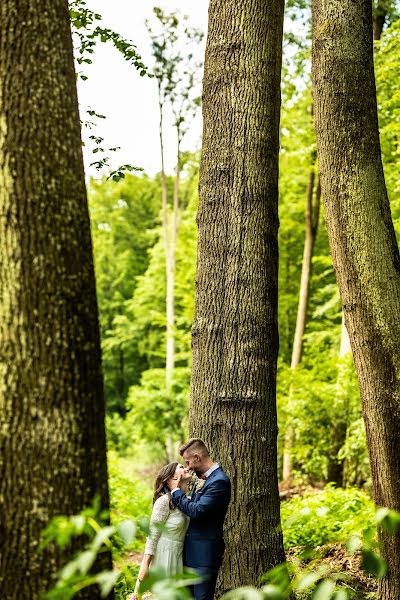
{"type": "Point", "coordinates": [333, 558]}
{"type": "Point", "coordinates": [336, 560]}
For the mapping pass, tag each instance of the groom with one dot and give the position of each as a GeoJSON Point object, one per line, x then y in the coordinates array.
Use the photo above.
{"type": "Point", "coordinates": [204, 544]}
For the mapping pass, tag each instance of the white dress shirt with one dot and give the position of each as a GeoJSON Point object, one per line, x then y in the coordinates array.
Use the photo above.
{"type": "Point", "coordinates": [211, 470]}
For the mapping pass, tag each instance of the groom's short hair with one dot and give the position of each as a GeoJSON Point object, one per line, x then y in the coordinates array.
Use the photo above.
{"type": "Point", "coordinates": [196, 446]}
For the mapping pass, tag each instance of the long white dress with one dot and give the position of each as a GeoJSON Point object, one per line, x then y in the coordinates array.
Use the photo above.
{"type": "Point", "coordinates": [166, 546]}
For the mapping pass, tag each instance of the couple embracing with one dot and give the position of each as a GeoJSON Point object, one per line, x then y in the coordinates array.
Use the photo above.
{"type": "Point", "coordinates": [192, 532]}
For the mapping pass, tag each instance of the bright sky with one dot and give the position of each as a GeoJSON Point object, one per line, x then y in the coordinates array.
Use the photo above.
{"type": "Point", "coordinates": [115, 89]}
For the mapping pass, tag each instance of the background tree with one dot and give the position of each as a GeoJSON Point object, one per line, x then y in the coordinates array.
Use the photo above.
{"type": "Point", "coordinates": [382, 12]}
{"type": "Point", "coordinates": [313, 197]}
{"type": "Point", "coordinates": [176, 73]}
{"type": "Point", "coordinates": [362, 237]}
{"type": "Point", "coordinates": [52, 443]}
{"type": "Point", "coordinates": [235, 334]}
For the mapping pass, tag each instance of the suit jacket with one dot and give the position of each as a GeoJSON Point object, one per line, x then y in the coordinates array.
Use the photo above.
{"type": "Point", "coordinates": [204, 542]}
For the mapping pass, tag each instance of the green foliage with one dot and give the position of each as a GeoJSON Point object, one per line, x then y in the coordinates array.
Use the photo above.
{"type": "Point", "coordinates": [387, 66]}
{"type": "Point", "coordinates": [123, 216]}
{"type": "Point", "coordinates": [156, 414]}
{"type": "Point", "coordinates": [327, 516]}
{"type": "Point", "coordinates": [87, 33]}
{"type": "Point", "coordinates": [130, 497]}
{"type": "Point", "coordinates": [85, 27]}
{"type": "Point", "coordinates": [90, 527]}
{"type": "Point", "coordinates": [81, 572]}
{"type": "Point", "coordinates": [310, 582]}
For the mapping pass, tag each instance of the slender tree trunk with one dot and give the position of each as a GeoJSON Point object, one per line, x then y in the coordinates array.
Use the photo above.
{"type": "Point", "coordinates": [380, 13]}
{"type": "Point", "coordinates": [313, 200]}
{"type": "Point", "coordinates": [362, 239]}
{"type": "Point", "coordinates": [235, 334]}
{"type": "Point", "coordinates": [52, 439]}
{"type": "Point", "coordinates": [312, 216]}
{"type": "Point", "coordinates": [169, 260]}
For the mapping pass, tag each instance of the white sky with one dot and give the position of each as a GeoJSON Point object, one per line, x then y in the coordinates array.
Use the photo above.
{"type": "Point", "coordinates": [115, 89]}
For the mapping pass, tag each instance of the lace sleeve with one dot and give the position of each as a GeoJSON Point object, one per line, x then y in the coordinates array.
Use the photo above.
{"type": "Point", "coordinates": [159, 515]}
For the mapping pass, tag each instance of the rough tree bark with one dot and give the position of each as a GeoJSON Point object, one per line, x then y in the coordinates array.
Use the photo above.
{"type": "Point", "coordinates": [52, 439]}
{"type": "Point", "coordinates": [362, 239]}
{"type": "Point", "coordinates": [235, 335]}
{"type": "Point", "coordinates": [313, 200]}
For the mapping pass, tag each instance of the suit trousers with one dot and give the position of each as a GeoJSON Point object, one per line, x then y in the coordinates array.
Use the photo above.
{"type": "Point", "coordinates": [205, 589]}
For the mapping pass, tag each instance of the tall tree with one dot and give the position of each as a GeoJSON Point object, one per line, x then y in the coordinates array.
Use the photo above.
{"type": "Point", "coordinates": [52, 442]}
{"type": "Point", "coordinates": [176, 82]}
{"type": "Point", "coordinates": [235, 334]}
{"type": "Point", "coordinates": [362, 238]}
{"type": "Point", "coordinates": [313, 198]}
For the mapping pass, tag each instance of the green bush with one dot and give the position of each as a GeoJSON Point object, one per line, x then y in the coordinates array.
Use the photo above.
{"type": "Point", "coordinates": [130, 497]}
{"type": "Point", "coordinates": [331, 515]}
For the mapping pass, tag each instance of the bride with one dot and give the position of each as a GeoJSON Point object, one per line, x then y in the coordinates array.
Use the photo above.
{"type": "Point", "coordinates": [164, 546]}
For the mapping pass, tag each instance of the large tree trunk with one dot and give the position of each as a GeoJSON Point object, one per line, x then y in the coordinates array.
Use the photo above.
{"type": "Point", "coordinates": [313, 199]}
{"type": "Point", "coordinates": [362, 239]}
{"type": "Point", "coordinates": [52, 439]}
{"type": "Point", "coordinates": [235, 334]}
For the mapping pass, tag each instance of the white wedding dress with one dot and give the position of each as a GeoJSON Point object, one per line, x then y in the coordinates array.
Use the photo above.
{"type": "Point", "coordinates": [166, 546]}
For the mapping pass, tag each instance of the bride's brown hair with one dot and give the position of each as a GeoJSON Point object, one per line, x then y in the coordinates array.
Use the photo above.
{"type": "Point", "coordinates": [160, 485]}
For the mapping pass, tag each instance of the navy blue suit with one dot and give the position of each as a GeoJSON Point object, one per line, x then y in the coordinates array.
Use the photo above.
{"type": "Point", "coordinates": [204, 543]}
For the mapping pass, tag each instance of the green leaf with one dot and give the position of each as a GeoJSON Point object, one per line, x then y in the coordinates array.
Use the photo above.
{"type": "Point", "coordinates": [373, 563]}
{"type": "Point", "coordinates": [388, 519]}
{"type": "Point", "coordinates": [381, 514]}
{"type": "Point", "coordinates": [273, 592]}
{"type": "Point", "coordinates": [106, 581]}
{"type": "Point", "coordinates": [307, 580]}
{"type": "Point", "coordinates": [340, 595]}
{"type": "Point", "coordinates": [104, 534]}
{"type": "Point", "coordinates": [78, 521]}
{"type": "Point", "coordinates": [69, 570]}
{"type": "Point", "coordinates": [144, 525]}
{"type": "Point", "coordinates": [85, 560]}
{"type": "Point", "coordinates": [353, 544]}
{"type": "Point", "coordinates": [127, 530]}
{"type": "Point", "coordinates": [325, 590]}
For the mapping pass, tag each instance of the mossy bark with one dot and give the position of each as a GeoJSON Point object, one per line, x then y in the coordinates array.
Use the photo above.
{"type": "Point", "coordinates": [362, 239]}
{"type": "Point", "coordinates": [235, 334]}
{"type": "Point", "coordinates": [52, 438]}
